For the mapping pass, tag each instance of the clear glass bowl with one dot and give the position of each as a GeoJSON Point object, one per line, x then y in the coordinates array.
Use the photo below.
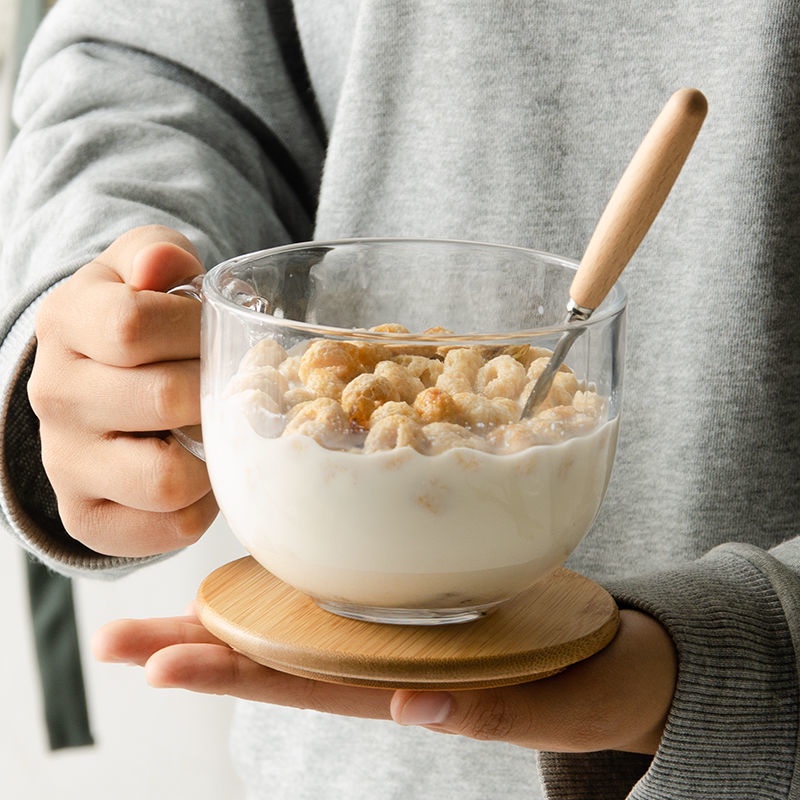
{"type": "Point", "coordinates": [383, 470]}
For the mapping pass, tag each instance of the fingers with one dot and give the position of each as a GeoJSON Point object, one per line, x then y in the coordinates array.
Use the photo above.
{"type": "Point", "coordinates": [101, 398]}
{"type": "Point", "coordinates": [178, 652]}
{"type": "Point", "coordinates": [216, 669]}
{"type": "Point", "coordinates": [116, 358]}
{"type": "Point", "coordinates": [97, 316]}
{"type": "Point", "coordinates": [133, 641]}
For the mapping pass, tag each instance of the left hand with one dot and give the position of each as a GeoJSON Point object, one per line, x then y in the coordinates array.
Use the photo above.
{"type": "Point", "coordinates": [618, 699]}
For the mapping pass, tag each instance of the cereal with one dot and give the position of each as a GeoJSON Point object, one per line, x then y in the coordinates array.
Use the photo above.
{"type": "Point", "coordinates": [264, 353]}
{"type": "Point", "coordinates": [407, 385]}
{"type": "Point", "coordinates": [322, 419]}
{"type": "Point", "coordinates": [371, 396]}
{"type": "Point", "coordinates": [503, 376]}
{"type": "Point", "coordinates": [462, 364]}
{"type": "Point", "coordinates": [394, 431]}
{"type": "Point", "coordinates": [263, 379]}
{"type": "Point", "coordinates": [364, 394]}
{"type": "Point", "coordinates": [435, 405]}
{"type": "Point", "coordinates": [478, 412]}
{"type": "Point", "coordinates": [426, 369]}
{"type": "Point", "coordinates": [324, 383]}
{"type": "Point", "coordinates": [340, 359]}
{"type": "Point", "coordinates": [442, 436]}
{"type": "Point", "coordinates": [393, 407]}
{"type": "Point", "coordinates": [369, 355]}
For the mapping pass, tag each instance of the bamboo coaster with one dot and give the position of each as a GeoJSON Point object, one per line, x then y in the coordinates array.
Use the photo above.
{"type": "Point", "coordinates": [562, 619]}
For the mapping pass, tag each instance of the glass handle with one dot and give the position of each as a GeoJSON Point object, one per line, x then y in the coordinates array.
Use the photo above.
{"type": "Point", "coordinates": [191, 436]}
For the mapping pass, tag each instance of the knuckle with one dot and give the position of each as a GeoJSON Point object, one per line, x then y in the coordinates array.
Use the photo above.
{"type": "Point", "coordinates": [166, 483]}
{"type": "Point", "coordinates": [127, 327]}
{"type": "Point", "coordinates": [191, 522]}
{"type": "Point", "coordinates": [168, 396]}
{"type": "Point", "coordinates": [492, 719]}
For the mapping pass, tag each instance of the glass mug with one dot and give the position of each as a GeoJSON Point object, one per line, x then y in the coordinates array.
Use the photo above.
{"type": "Point", "coordinates": [361, 406]}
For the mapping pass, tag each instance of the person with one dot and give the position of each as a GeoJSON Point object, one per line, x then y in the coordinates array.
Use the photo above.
{"type": "Point", "coordinates": [155, 144]}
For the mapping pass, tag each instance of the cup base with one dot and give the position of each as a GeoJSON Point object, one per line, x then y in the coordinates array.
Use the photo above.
{"type": "Point", "coordinates": [407, 616]}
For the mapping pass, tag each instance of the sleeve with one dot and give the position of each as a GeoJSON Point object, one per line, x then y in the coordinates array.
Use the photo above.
{"type": "Point", "coordinates": [199, 120]}
{"type": "Point", "coordinates": [733, 727]}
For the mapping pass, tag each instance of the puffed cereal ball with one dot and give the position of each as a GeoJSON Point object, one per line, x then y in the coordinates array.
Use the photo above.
{"type": "Point", "coordinates": [435, 405]}
{"type": "Point", "coordinates": [340, 359]}
{"type": "Point", "coordinates": [478, 412]}
{"type": "Point", "coordinates": [443, 436]}
{"type": "Point", "coordinates": [503, 376]}
{"type": "Point", "coordinates": [461, 367]}
{"type": "Point", "coordinates": [394, 431]}
{"type": "Point", "coordinates": [322, 419]}
{"type": "Point", "coordinates": [262, 412]}
{"type": "Point", "coordinates": [364, 394]}
{"type": "Point", "coordinates": [264, 353]}
{"type": "Point", "coordinates": [406, 384]}
{"type": "Point", "coordinates": [393, 407]}
{"type": "Point", "coordinates": [426, 369]}
{"type": "Point", "coordinates": [370, 354]}
{"type": "Point", "coordinates": [267, 380]}
{"type": "Point", "coordinates": [324, 383]}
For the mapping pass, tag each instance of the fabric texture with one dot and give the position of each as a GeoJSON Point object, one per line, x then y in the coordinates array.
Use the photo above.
{"type": "Point", "coordinates": [507, 121]}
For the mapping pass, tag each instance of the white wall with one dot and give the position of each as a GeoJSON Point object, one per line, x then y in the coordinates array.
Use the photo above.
{"type": "Point", "coordinates": [149, 743]}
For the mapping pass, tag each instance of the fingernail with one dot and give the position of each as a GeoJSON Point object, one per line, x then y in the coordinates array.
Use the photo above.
{"type": "Point", "coordinates": [426, 708]}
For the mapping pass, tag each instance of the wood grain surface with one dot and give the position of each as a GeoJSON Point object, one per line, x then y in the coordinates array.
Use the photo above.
{"type": "Point", "coordinates": [560, 620]}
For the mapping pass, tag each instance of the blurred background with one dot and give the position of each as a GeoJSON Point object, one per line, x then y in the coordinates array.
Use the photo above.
{"type": "Point", "coordinates": [139, 742]}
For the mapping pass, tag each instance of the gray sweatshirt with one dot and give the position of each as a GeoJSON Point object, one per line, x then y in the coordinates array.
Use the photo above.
{"type": "Point", "coordinates": [249, 123]}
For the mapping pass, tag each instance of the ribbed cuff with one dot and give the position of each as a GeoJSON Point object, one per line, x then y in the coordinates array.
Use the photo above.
{"type": "Point", "coordinates": [27, 500]}
{"type": "Point", "coordinates": [733, 727]}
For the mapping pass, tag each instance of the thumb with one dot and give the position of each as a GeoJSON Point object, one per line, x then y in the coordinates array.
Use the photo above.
{"type": "Point", "coordinates": [161, 265]}
{"type": "Point", "coordinates": [488, 714]}
{"type": "Point", "coordinates": [152, 257]}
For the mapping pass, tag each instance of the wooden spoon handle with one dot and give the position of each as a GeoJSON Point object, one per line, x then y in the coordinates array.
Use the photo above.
{"type": "Point", "coordinates": [639, 195]}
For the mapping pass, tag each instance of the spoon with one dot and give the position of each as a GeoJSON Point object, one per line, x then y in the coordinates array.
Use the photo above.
{"type": "Point", "coordinates": [630, 212]}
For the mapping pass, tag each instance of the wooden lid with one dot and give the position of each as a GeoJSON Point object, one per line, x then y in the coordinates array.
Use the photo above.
{"type": "Point", "coordinates": [562, 619]}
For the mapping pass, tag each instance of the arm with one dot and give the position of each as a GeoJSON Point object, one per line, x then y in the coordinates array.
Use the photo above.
{"type": "Point", "coordinates": [732, 730]}
{"type": "Point", "coordinates": [154, 121]}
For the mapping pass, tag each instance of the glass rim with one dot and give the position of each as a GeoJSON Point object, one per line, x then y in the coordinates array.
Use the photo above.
{"type": "Point", "coordinates": [614, 304]}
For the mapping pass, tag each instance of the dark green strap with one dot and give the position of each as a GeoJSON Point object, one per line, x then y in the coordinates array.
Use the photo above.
{"type": "Point", "coordinates": [58, 653]}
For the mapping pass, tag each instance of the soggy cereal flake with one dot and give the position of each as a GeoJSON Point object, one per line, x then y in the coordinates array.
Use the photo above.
{"type": "Point", "coordinates": [589, 403]}
{"type": "Point", "coordinates": [297, 395]}
{"type": "Point", "coordinates": [364, 394]}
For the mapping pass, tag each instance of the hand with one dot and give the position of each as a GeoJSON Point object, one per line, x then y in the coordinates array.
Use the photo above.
{"type": "Point", "coordinates": [117, 367]}
{"type": "Point", "coordinates": [617, 699]}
